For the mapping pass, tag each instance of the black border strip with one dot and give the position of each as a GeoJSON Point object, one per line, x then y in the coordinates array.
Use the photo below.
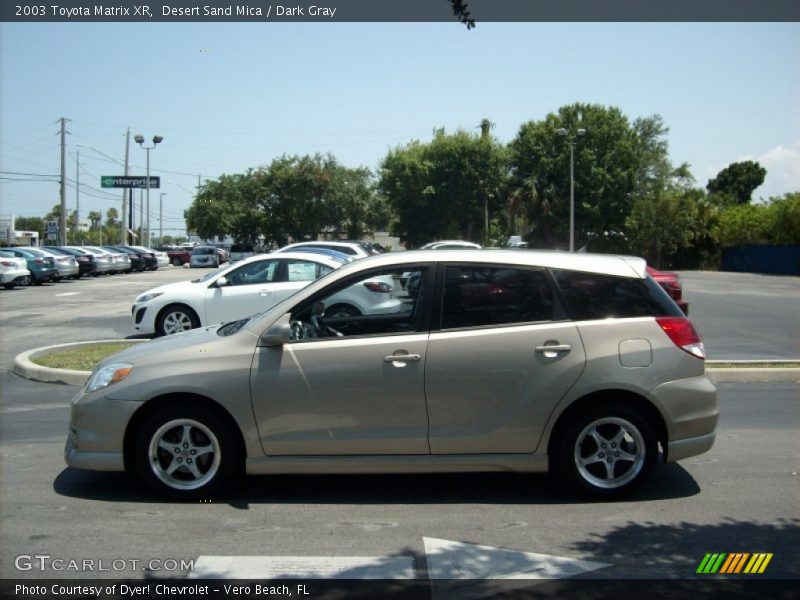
{"type": "Point", "coordinates": [482, 11]}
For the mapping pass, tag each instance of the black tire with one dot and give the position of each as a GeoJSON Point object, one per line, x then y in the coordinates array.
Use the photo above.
{"type": "Point", "coordinates": [8, 286]}
{"type": "Point", "coordinates": [170, 319]}
{"type": "Point", "coordinates": [205, 456]}
{"type": "Point", "coordinates": [176, 262]}
{"type": "Point", "coordinates": [342, 310]}
{"type": "Point", "coordinates": [607, 451]}
{"type": "Point", "coordinates": [25, 281]}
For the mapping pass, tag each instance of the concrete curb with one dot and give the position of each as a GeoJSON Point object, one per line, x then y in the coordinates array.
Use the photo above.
{"type": "Point", "coordinates": [25, 367]}
{"type": "Point", "coordinates": [753, 375]}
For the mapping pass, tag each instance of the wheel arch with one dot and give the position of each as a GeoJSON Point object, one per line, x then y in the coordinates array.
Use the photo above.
{"type": "Point", "coordinates": [181, 304]}
{"type": "Point", "coordinates": [622, 398]}
{"type": "Point", "coordinates": [176, 399]}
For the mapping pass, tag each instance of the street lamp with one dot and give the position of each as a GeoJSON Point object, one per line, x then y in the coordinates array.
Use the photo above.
{"type": "Point", "coordinates": [572, 140]}
{"type": "Point", "coordinates": [139, 139]}
{"type": "Point", "coordinates": [161, 218]}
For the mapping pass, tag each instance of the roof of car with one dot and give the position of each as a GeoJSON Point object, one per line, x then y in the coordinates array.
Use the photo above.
{"type": "Point", "coordinates": [297, 255]}
{"type": "Point", "coordinates": [623, 266]}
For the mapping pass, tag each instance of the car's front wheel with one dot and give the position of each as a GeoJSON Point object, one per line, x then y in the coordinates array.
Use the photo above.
{"type": "Point", "coordinates": [175, 319]}
{"type": "Point", "coordinates": [186, 452]}
{"type": "Point", "coordinates": [607, 451]}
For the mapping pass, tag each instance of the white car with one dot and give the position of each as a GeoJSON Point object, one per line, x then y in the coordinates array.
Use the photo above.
{"type": "Point", "coordinates": [354, 249]}
{"type": "Point", "coordinates": [251, 286]}
{"type": "Point", "coordinates": [13, 271]}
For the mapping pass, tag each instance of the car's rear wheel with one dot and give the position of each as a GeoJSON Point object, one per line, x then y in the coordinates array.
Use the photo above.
{"type": "Point", "coordinates": [176, 262]}
{"type": "Point", "coordinates": [186, 452]}
{"type": "Point", "coordinates": [25, 281]}
{"type": "Point", "coordinates": [8, 286]}
{"type": "Point", "coordinates": [607, 451]}
{"type": "Point", "coordinates": [175, 319]}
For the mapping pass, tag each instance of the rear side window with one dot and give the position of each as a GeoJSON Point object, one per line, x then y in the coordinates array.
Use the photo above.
{"type": "Point", "coordinates": [478, 296]}
{"type": "Point", "coordinates": [590, 296]}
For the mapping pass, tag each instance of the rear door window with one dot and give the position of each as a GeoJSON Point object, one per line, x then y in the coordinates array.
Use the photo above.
{"type": "Point", "coordinates": [483, 295]}
{"type": "Point", "coordinates": [591, 296]}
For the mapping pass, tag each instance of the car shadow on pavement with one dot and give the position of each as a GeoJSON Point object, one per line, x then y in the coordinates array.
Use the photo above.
{"type": "Point", "coordinates": [668, 482]}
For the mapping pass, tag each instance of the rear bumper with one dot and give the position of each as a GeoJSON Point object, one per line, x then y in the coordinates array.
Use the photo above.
{"type": "Point", "coordinates": [691, 413]}
{"type": "Point", "coordinates": [681, 449]}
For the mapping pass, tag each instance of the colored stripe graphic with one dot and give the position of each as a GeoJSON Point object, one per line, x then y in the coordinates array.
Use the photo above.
{"type": "Point", "coordinates": [711, 563]}
{"type": "Point", "coordinates": [759, 562]}
{"type": "Point", "coordinates": [734, 563]}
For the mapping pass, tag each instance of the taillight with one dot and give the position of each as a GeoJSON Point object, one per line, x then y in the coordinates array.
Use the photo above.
{"type": "Point", "coordinates": [5, 263]}
{"type": "Point", "coordinates": [683, 334]}
{"type": "Point", "coordinates": [81, 258]}
{"type": "Point", "coordinates": [378, 287]}
{"type": "Point", "coordinates": [38, 261]}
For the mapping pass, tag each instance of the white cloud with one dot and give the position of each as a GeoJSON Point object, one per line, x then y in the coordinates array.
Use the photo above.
{"type": "Point", "coordinates": [783, 171]}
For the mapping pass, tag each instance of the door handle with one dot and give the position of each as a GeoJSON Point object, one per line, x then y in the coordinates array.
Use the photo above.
{"type": "Point", "coordinates": [402, 358]}
{"type": "Point", "coordinates": [554, 348]}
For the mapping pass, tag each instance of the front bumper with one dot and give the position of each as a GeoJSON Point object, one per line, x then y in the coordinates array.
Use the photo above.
{"type": "Point", "coordinates": [96, 432]}
{"type": "Point", "coordinates": [144, 317]}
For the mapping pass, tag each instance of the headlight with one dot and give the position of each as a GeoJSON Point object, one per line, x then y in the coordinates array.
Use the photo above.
{"type": "Point", "coordinates": [148, 297]}
{"type": "Point", "coordinates": [107, 375]}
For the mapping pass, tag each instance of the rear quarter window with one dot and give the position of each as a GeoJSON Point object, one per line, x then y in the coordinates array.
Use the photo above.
{"type": "Point", "coordinates": [590, 296]}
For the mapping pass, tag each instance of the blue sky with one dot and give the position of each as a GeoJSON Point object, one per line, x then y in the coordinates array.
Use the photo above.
{"type": "Point", "coordinates": [227, 97]}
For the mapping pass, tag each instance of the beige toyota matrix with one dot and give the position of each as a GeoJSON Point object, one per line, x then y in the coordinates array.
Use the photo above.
{"type": "Point", "coordinates": [495, 360]}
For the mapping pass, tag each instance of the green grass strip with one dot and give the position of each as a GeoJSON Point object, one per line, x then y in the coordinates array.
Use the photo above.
{"type": "Point", "coordinates": [79, 358]}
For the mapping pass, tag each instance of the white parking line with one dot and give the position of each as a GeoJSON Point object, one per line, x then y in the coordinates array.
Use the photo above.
{"type": "Point", "coordinates": [303, 567]}
{"type": "Point", "coordinates": [67, 294]}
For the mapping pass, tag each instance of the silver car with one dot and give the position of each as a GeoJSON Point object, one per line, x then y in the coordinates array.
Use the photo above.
{"type": "Point", "coordinates": [502, 360]}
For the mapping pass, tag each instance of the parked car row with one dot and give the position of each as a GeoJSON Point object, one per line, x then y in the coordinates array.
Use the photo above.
{"type": "Point", "coordinates": [54, 263]}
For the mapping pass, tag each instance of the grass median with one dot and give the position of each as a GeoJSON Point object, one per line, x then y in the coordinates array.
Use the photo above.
{"type": "Point", "coordinates": [79, 358]}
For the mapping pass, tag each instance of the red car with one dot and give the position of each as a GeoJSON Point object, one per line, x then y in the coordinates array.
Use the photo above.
{"type": "Point", "coordinates": [672, 283]}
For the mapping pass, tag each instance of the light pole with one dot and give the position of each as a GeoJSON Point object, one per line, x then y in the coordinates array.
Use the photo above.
{"type": "Point", "coordinates": [572, 140]}
{"type": "Point", "coordinates": [161, 218]}
{"type": "Point", "coordinates": [139, 139]}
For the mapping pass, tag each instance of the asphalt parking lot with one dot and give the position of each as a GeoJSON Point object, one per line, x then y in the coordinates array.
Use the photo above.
{"type": "Point", "coordinates": [740, 497]}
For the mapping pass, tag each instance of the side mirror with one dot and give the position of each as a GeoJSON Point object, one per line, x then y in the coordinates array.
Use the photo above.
{"type": "Point", "coordinates": [277, 334]}
{"type": "Point", "coordinates": [222, 281]}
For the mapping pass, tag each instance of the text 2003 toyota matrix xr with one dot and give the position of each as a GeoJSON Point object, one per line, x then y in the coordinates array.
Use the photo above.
{"type": "Point", "coordinates": [527, 362]}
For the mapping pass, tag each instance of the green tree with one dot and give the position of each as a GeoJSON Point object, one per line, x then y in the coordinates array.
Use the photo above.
{"type": "Point", "coordinates": [784, 219]}
{"type": "Point", "coordinates": [616, 162]}
{"type": "Point", "coordinates": [736, 182]}
{"type": "Point", "coordinates": [112, 217]}
{"type": "Point", "coordinates": [95, 218]}
{"type": "Point", "coordinates": [36, 224]}
{"type": "Point", "coordinates": [442, 189]}
{"type": "Point", "coordinates": [744, 224]}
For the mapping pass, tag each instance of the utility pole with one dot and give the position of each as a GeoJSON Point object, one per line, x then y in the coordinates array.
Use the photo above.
{"type": "Point", "coordinates": [126, 192]}
{"type": "Point", "coordinates": [77, 223]}
{"type": "Point", "coordinates": [161, 218]}
{"type": "Point", "coordinates": [62, 221]}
